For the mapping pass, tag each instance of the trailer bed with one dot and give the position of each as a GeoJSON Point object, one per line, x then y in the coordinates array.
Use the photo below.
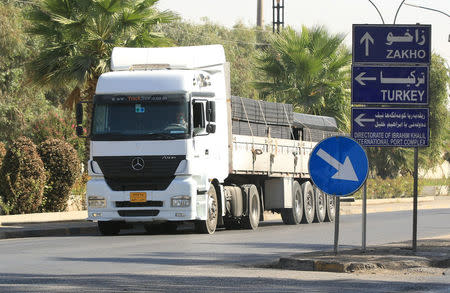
{"type": "Point", "coordinates": [272, 157]}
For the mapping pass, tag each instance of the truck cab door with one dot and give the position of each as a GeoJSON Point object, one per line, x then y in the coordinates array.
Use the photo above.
{"type": "Point", "coordinates": [202, 143]}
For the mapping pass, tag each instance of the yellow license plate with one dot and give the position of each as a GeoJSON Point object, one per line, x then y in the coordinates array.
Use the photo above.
{"type": "Point", "coordinates": [138, 196]}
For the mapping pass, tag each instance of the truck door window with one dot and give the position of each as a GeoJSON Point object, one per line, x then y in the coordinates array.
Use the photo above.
{"type": "Point", "coordinates": [199, 117]}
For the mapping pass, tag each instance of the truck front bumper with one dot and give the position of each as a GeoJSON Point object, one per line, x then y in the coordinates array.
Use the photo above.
{"type": "Point", "coordinates": [157, 207]}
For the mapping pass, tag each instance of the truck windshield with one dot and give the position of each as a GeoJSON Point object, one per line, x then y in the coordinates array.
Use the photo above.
{"type": "Point", "coordinates": [140, 117]}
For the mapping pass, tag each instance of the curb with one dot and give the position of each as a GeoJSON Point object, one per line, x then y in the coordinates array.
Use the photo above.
{"type": "Point", "coordinates": [358, 202]}
{"type": "Point", "coordinates": [43, 217]}
{"type": "Point", "coordinates": [73, 231]}
{"type": "Point", "coordinates": [351, 266]}
{"type": "Point", "coordinates": [432, 252]}
{"type": "Point", "coordinates": [312, 265]}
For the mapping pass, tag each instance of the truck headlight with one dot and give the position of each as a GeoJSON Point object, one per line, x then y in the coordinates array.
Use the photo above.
{"type": "Point", "coordinates": [96, 202]}
{"type": "Point", "coordinates": [180, 201]}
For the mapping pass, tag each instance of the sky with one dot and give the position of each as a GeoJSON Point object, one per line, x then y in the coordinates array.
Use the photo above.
{"type": "Point", "coordinates": [336, 15]}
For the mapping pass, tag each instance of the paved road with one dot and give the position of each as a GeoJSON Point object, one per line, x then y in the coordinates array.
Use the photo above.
{"type": "Point", "coordinates": [224, 261]}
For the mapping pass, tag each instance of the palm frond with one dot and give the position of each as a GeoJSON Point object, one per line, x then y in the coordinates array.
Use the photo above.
{"type": "Point", "coordinates": [109, 6]}
{"type": "Point", "coordinates": [80, 34]}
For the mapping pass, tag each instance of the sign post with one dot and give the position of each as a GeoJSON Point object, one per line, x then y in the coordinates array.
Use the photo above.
{"type": "Point", "coordinates": [336, 225]}
{"type": "Point", "coordinates": [364, 217]}
{"type": "Point", "coordinates": [338, 166]}
{"type": "Point", "coordinates": [391, 67]}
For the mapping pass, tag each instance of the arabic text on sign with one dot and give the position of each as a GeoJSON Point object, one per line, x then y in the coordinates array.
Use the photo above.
{"type": "Point", "coordinates": [406, 38]}
{"type": "Point", "coordinates": [411, 79]}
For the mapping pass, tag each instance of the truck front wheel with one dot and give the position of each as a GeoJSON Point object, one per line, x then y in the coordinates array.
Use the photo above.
{"type": "Point", "coordinates": [209, 225]}
{"type": "Point", "coordinates": [108, 228]}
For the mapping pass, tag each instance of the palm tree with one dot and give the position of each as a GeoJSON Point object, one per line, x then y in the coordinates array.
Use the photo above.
{"type": "Point", "coordinates": [309, 70]}
{"type": "Point", "coordinates": [78, 36]}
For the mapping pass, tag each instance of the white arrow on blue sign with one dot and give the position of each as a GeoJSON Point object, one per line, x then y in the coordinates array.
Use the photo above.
{"type": "Point", "coordinates": [338, 165]}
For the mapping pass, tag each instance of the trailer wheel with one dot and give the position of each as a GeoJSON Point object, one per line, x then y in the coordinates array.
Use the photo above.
{"type": "Point", "coordinates": [321, 205]}
{"type": "Point", "coordinates": [331, 208]}
{"type": "Point", "coordinates": [293, 216]}
{"type": "Point", "coordinates": [108, 228]}
{"type": "Point", "coordinates": [209, 225]}
{"type": "Point", "coordinates": [251, 220]}
{"type": "Point", "coordinates": [309, 204]}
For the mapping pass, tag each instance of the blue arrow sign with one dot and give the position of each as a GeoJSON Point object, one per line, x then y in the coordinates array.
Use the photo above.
{"type": "Point", "coordinates": [401, 127]}
{"type": "Point", "coordinates": [338, 165]}
{"type": "Point", "coordinates": [392, 43]}
{"type": "Point", "coordinates": [407, 85]}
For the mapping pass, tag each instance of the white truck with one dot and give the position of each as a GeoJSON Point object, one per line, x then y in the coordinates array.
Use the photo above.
{"type": "Point", "coordinates": [166, 147]}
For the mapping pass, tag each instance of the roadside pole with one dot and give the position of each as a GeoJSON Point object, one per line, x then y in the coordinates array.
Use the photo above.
{"type": "Point", "coordinates": [416, 175]}
{"type": "Point", "coordinates": [364, 217]}
{"type": "Point", "coordinates": [336, 225]}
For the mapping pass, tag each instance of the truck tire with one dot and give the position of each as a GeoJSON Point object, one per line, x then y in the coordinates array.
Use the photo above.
{"type": "Point", "coordinates": [309, 203]}
{"type": "Point", "coordinates": [108, 228]}
{"type": "Point", "coordinates": [251, 220]}
{"type": "Point", "coordinates": [293, 216]}
{"type": "Point", "coordinates": [331, 208]}
{"type": "Point", "coordinates": [321, 205]}
{"type": "Point", "coordinates": [210, 224]}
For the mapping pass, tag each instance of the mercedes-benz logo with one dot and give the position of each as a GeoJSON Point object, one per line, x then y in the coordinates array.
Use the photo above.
{"type": "Point", "coordinates": [137, 164]}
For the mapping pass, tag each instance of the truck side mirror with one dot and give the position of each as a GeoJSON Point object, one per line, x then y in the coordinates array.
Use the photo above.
{"type": "Point", "coordinates": [79, 130]}
{"type": "Point", "coordinates": [211, 111]}
{"type": "Point", "coordinates": [79, 113]}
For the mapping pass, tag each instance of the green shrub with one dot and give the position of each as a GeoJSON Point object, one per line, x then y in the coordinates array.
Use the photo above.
{"type": "Point", "coordinates": [60, 125]}
{"type": "Point", "coordinates": [22, 178]}
{"type": "Point", "coordinates": [63, 167]}
{"type": "Point", "coordinates": [401, 186]}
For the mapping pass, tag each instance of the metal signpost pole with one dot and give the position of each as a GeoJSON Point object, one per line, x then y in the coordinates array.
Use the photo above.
{"type": "Point", "coordinates": [364, 216]}
{"type": "Point", "coordinates": [336, 225]}
{"type": "Point", "coordinates": [416, 170]}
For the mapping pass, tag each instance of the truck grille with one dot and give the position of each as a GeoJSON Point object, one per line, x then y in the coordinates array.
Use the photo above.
{"type": "Point", "coordinates": [157, 172]}
{"type": "Point", "coordinates": [138, 213]}
{"type": "Point", "coordinates": [128, 204]}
